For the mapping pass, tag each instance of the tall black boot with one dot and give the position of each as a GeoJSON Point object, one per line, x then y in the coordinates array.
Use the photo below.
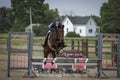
{"type": "Point", "coordinates": [45, 42]}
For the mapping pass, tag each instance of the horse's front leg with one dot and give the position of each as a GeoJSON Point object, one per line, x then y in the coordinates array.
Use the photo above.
{"type": "Point", "coordinates": [44, 61]}
{"type": "Point", "coordinates": [54, 58]}
{"type": "Point", "coordinates": [45, 56]}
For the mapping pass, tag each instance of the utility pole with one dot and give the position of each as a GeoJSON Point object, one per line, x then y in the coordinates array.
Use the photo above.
{"type": "Point", "coordinates": [30, 17]}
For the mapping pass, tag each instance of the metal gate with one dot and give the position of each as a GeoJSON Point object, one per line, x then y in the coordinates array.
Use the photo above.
{"type": "Point", "coordinates": [19, 47]}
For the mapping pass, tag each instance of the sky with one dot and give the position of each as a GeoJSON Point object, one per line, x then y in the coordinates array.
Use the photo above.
{"type": "Point", "coordinates": [73, 7]}
{"type": "Point", "coordinates": [5, 3]}
{"type": "Point", "coordinates": [77, 7]}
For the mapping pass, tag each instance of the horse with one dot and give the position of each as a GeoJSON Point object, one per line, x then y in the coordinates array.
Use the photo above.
{"type": "Point", "coordinates": [54, 43]}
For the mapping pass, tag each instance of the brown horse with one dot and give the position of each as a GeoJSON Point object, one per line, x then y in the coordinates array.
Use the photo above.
{"type": "Point", "coordinates": [54, 43]}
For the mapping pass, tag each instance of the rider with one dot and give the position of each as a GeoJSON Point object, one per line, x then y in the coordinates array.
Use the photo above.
{"type": "Point", "coordinates": [52, 28]}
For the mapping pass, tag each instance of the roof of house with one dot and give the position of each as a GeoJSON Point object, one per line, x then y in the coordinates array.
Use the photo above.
{"type": "Point", "coordinates": [31, 25]}
{"type": "Point", "coordinates": [79, 20]}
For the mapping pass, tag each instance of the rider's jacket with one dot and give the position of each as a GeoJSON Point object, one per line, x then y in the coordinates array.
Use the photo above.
{"type": "Point", "coordinates": [53, 26]}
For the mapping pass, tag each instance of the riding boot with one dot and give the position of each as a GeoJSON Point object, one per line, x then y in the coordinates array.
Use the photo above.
{"type": "Point", "coordinates": [45, 42]}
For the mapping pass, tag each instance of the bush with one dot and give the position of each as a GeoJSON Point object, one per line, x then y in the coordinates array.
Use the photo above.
{"type": "Point", "coordinates": [72, 34]}
{"type": "Point", "coordinates": [40, 30]}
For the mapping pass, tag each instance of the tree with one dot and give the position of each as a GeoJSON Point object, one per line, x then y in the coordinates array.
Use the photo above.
{"type": "Point", "coordinates": [72, 34]}
{"type": "Point", "coordinates": [5, 19]}
{"type": "Point", "coordinates": [40, 13]}
{"type": "Point", "coordinates": [40, 30]}
{"type": "Point", "coordinates": [97, 20]}
{"type": "Point", "coordinates": [110, 16]}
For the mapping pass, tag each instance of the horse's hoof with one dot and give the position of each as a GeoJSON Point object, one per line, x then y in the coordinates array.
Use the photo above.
{"type": "Point", "coordinates": [44, 63]}
{"type": "Point", "coordinates": [52, 63]}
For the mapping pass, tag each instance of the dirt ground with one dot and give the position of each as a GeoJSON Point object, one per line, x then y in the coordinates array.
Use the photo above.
{"type": "Point", "coordinates": [18, 74]}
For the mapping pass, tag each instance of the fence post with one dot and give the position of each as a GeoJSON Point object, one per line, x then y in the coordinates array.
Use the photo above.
{"type": "Point", "coordinates": [114, 50]}
{"type": "Point", "coordinates": [72, 44]}
{"type": "Point", "coordinates": [78, 44]}
{"type": "Point", "coordinates": [96, 47]}
{"type": "Point", "coordinates": [85, 47]}
{"type": "Point", "coordinates": [8, 47]}
{"type": "Point", "coordinates": [30, 45]}
{"type": "Point", "coordinates": [118, 57]}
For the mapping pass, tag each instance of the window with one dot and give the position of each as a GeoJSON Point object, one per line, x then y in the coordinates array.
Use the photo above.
{"type": "Point", "coordinates": [67, 29]}
{"type": "Point", "coordinates": [74, 30]}
{"type": "Point", "coordinates": [90, 22]}
{"type": "Point", "coordinates": [97, 30]}
{"type": "Point", "coordinates": [90, 31]}
{"type": "Point", "coordinates": [80, 31]}
{"type": "Point", "coordinates": [67, 22]}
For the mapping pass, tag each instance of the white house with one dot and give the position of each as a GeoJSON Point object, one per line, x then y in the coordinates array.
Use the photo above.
{"type": "Point", "coordinates": [84, 26]}
{"type": "Point", "coordinates": [30, 27]}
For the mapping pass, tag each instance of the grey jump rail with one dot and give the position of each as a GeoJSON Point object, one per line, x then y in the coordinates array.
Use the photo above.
{"type": "Point", "coordinates": [69, 60]}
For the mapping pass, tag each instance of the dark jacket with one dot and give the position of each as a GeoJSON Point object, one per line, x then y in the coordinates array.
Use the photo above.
{"type": "Point", "coordinates": [53, 26]}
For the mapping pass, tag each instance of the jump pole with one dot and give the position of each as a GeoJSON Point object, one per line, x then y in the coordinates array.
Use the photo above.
{"type": "Point", "coordinates": [30, 73]}
{"type": "Point", "coordinates": [118, 58]}
{"type": "Point", "coordinates": [100, 73]}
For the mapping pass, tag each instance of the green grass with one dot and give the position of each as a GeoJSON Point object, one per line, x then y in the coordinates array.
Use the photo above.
{"type": "Point", "coordinates": [3, 52]}
{"type": "Point", "coordinates": [3, 41]}
{"type": "Point", "coordinates": [19, 41]}
{"type": "Point", "coordinates": [37, 53]}
{"type": "Point", "coordinates": [3, 35]}
{"type": "Point", "coordinates": [107, 56]}
{"type": "Point", "coordinates": [38, 41]}
{"type": "Point", "coordinates": [92, 55]}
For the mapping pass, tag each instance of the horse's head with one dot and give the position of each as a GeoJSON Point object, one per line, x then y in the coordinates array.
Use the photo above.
{"type": "Point", "coordinates": [60, 33]}
{"type": "Point", "coordinates": [58, 36]}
